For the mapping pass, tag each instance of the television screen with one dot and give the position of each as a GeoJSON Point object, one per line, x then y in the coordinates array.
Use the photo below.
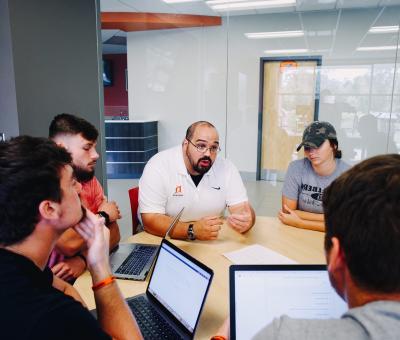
{"type": "Point", "coordinates": [107, 76]}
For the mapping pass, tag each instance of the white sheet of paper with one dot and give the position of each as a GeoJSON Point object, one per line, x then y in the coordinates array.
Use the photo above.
{"type": "Point", "coordinates": [256, 254]}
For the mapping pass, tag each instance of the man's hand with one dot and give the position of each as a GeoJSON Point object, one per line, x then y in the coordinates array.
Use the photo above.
{"type": "Point", "coordinates": [241, 217]}
{"type": "Point", "coordinates": [70, 268]}
{"type": "Point", "coordinates": [240, 222]}
{"type": "Point", "coordinates": [96, 236]}
{"type": "Point", "coordinates": [208, 227]}
{"type": "Point", "coordinates": [111, 208]}
{"type": "Point", "coordinates": [290, 218]}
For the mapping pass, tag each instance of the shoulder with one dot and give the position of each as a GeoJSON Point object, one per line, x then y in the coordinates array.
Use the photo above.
{"type": "Point", "coordinates": [166, 156]}
{"type": "Point", "coordinates": [342, 165]}
{"type": "Point", "coordinates": [63, 313]}
{"type": "Point", "coordinates": [299, 165]}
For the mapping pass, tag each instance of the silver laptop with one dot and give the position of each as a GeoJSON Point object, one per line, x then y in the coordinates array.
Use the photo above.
{"type": "Point", "coordinates": [260, 293]}
{"type": "Point", "coordinates": [133, 261]}
{"type": "Point", "coordinates": [175, 295]}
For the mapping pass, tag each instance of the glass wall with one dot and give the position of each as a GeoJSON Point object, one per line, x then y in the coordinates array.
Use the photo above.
{"type": "Point", "coordinates": [216, 73]}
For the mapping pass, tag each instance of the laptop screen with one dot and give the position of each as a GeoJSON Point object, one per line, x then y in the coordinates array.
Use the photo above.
{"type": "Point", "coordinates": [180, 284]}
{"type": "Point", "coordinates": [261, 293]}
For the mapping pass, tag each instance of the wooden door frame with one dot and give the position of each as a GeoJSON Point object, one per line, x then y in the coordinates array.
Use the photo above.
{"type": "Point", "coordinates": [317, 59]}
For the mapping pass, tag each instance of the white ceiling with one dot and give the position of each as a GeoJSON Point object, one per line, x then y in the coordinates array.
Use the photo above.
{"type": "Point", "coordinates": [201, 8]}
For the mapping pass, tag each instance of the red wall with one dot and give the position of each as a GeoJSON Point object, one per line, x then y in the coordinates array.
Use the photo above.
{"type": "Point", "coordinates": [116, 96]}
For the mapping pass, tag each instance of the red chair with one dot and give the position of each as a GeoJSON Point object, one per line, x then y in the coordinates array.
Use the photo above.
{"type": "Point", "coordinates": [134, 199]}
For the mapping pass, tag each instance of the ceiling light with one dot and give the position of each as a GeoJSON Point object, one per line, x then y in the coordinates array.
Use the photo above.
{"type": "Point", "coordinates": [377, 48]}
{"type": "Point", "coordinates": [271, 35]}
{"type": "Point", "coordinates": [384, 29]}
{"type": "Point", "coordinates": [236, 5]}
{"type": "Point", "coordinates": [299, 50]}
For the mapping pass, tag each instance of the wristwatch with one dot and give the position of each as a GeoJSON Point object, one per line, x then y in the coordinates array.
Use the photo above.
{"type": "Point", "coordinates": [105, 215]}
{"type": "Point", "coordinates": [190, 232]}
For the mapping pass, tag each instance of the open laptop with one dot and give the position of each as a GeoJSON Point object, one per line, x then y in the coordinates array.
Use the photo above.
{"type": "Point", "coordinates": [175, 295]}
{"type": "Point", "coordinates": [132, 261]}
{"type": "Point", "coordinates": [260, 293]}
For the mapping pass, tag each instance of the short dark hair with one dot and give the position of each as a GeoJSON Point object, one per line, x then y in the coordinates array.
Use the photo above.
{"type": "Point", "coordinates": [30, 172]}
{"type": "Point", "coordinates": [66, 123]}
{"type": "Point", "coordinates": [362, 209]}
{"type": "Point", "coordinates": [190, 130]}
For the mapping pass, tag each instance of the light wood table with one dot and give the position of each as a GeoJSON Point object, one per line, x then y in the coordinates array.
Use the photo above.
{"type": "Point", "coordinates": [303, 246]}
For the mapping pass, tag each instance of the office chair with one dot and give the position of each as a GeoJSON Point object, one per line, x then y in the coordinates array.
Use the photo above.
{"type": "Point", "coordinates": [134, 199]}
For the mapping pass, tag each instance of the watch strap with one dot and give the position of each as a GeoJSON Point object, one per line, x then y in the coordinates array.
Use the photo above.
{"type": "Point", "coordinates": [190, 232]}
{"type": "Point", "coordinates": [105, 215]}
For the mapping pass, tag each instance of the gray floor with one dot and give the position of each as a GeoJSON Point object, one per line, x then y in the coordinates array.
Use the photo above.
{"type": "Point", "coordinates": [264, 196]}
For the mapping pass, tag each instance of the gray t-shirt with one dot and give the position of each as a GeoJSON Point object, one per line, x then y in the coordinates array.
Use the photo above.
{"type": "Point", "coordinates": [303, 185]}
{"type": "Point", "coordinates": [375, 320]}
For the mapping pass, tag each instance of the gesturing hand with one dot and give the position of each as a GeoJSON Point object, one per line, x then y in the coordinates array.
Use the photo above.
{"type": "Point", "coordinates": [208, 227]}
{"type": "Point", "coordinates": [240, 222]}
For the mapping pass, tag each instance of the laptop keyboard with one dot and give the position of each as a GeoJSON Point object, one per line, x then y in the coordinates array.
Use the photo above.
{"type": "Point", "coordinates": [151, 323]}
{"type": "Point", "coordinates": [136, 261]}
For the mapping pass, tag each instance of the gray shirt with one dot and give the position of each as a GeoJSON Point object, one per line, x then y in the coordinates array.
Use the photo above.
{"type": "Point", "coordinates": [303, 185]}
{"type": "Point", "coordinates": [375, 320]}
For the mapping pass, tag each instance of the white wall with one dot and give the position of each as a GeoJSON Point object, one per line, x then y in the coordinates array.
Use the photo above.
{"type": "Point", "coordinates": [179, 76]}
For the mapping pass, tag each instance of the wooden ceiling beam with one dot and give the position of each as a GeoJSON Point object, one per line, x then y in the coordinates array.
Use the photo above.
{"type": "Point", "coordinates": [130, 22]}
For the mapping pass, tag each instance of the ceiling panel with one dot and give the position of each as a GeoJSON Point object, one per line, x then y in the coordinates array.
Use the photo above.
{"type": "Point", "coordinates": [315, 5]}
{"type": "Point", "coordinates": [357, 3]}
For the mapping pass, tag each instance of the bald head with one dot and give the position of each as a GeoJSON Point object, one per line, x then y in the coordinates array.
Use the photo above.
{"type": "Point", "coordinates": [192, 128]}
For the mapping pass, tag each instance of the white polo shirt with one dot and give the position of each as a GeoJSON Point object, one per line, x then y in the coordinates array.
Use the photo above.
{"type": "Point", "coordinates": [166, 186]}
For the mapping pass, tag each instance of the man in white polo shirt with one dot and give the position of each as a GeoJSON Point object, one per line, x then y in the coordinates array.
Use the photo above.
{"type": "Point", "coordinates": [192, 176]}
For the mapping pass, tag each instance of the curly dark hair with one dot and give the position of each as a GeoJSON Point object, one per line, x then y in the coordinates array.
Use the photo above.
{"type": "Point", "coordinates": [29, 173]}
{"type": "Point", "coordinates": [67, 123]}
{"type": "Point", "coordinates": [362, 209]}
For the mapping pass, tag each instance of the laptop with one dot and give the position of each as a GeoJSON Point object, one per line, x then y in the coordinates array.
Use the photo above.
{"type": "Point", "coordinates": [175, 295]}
{"type": "Point", "coordinates": [260, 293]}
{"type": "Point", "coordinates": [133, 261]}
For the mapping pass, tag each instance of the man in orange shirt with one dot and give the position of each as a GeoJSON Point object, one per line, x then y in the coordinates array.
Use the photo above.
{"type": "Point", "coordinates": [79, 138]}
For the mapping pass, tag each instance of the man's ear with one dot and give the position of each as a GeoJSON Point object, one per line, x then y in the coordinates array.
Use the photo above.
{"type": "Point", "coordinates": [49, 210]}
{"type": "Point", "coordinates": [336, 257]}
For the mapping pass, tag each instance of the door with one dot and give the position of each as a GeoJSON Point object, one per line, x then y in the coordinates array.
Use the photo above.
{"type": "Point", "coordinates": [288, 103]}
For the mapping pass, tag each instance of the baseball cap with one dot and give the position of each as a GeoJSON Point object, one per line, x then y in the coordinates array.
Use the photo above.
{"type": "Point", "coordinates": [316, 133]}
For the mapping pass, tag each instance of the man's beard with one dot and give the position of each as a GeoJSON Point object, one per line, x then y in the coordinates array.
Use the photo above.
{"type": "Point", "coordinates": [197, 167]}
{"type": "Point", "coordinates": [82, 175]}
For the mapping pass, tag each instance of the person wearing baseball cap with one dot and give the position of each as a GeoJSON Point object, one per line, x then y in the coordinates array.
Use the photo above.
{"type": "Point", "coordinates": [306, 178]}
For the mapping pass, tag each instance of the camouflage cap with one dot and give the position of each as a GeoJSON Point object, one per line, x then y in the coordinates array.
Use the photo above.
{"type": "Point", "coordinates": [316, 133]}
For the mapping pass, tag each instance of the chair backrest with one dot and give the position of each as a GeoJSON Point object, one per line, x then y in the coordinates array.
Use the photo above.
{"type": "Point", "coordinates": [134, 199]}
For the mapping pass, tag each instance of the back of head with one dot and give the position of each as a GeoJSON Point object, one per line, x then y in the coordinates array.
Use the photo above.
{"type": "Point", "coordinates": [66, 123]}
{"type": "Point", "coordinates": [362, 209]}
{"type": "Point", "coordinates": [29, 173]}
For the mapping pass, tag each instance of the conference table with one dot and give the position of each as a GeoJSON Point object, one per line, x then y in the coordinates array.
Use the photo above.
{"type": "Point", "coordinates": [302, 246]}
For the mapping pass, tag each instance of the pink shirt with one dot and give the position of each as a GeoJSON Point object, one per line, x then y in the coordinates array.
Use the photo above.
{"type": "Point", "coordinates": [92, 196]}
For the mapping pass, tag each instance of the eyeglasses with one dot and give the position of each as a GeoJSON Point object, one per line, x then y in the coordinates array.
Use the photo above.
{"type": "Point", "coordinates": [202, 148]}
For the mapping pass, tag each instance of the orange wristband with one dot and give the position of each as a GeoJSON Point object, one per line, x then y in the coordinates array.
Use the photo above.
{"type": "Point", "coordinates": [218, 337]}
{"type": "Point", "coordinates": [103, 283]}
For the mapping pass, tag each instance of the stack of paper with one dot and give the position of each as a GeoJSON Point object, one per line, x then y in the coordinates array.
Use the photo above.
{"type": "Point", "coordinates": [256, 254]}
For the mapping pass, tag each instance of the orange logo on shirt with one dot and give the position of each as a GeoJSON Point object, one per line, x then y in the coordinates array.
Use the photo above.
{"type": "Point", "coordinates": [178, 191]}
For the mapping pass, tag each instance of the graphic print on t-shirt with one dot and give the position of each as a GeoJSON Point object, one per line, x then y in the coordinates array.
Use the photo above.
{"type": "Point", "coordinates": [311, 195]}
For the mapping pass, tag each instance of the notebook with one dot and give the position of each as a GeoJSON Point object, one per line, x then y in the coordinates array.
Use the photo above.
{"type": "Point", "coordinates": [133, 261]}
{"type": "Point", "coordinates": [175, 295]}
{"type": "Point", "coordinates": [260, 293]}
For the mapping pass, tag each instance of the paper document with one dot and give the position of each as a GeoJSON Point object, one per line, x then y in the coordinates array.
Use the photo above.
{"type": "Point", "coordinates": [256, 254]}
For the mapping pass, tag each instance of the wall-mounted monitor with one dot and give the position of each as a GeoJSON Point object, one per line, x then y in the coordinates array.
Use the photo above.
{"type": "Point", "coordinates": [107, 72]}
